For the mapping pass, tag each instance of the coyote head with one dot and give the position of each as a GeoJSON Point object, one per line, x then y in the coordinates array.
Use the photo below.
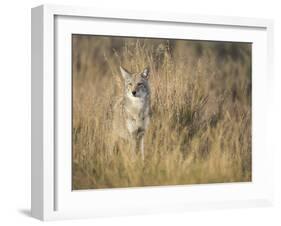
{"type": "Point", "coordinates": [136, 85]}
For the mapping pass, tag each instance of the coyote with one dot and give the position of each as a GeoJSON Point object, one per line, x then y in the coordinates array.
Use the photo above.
{"type": "Point", "coordinates": [132, 111]}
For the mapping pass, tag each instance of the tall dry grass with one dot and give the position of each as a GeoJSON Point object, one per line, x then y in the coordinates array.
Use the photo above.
{"type": "Point", "coordinates": [200, 130]}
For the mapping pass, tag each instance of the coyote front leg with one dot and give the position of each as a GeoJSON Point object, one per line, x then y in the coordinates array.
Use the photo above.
{"type": "Point", "coordinates": [142, 148]}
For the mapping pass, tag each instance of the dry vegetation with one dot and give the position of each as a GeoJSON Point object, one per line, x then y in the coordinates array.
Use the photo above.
{"type": "Point", "coordinates": [200, 130]}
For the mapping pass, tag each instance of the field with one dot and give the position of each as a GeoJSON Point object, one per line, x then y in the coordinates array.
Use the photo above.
{"type": "Point", "coordinates": [200, 128]}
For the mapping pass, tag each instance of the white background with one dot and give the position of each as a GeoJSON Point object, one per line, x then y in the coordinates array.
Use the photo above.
{"type": "Point", "coordinates": [15, 112]}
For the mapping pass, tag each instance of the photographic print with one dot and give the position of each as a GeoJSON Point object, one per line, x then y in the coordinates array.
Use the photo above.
{"type": "Point", "coordinates": [158, 112]}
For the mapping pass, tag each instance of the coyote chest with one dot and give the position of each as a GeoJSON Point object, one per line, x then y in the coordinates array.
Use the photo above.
{"type": "Point", "coordinates": [137, 118]}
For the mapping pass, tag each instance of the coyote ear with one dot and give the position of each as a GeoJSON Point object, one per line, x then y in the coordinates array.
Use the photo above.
{"type": "Point", "coordinates": [145, 73]}
{"type": "Point", "coordinates": [125, 74]}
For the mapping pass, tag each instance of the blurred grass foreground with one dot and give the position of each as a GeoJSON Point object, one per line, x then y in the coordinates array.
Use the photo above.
{"type": "Point", "coordinates": [200, 127]}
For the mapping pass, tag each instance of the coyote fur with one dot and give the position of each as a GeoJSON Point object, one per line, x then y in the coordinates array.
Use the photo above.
{"type": "Point", "coordinates": [132, 111]}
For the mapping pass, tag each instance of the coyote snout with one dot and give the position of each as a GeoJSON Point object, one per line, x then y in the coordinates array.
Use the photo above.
{"type": "Point", "coordinates": [132, 111]}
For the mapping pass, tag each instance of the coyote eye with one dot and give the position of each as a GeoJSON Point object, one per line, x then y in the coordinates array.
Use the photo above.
{"type": "Point", "coordinates": [140, 84]}
{"type": "Point", "coordinates": [130, 84]}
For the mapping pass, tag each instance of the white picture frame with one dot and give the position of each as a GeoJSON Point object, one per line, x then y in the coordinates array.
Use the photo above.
{"type": "Point", "coordinates": [52, 197]}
